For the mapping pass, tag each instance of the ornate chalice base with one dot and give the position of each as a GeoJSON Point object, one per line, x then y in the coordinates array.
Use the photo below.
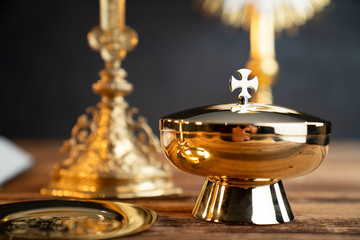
{"type": "Point", "coordinates": [219, 202]}
{"type": "Point", "coordinates": [111, 161]}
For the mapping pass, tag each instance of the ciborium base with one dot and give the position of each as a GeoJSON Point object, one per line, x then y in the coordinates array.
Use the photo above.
{"type": "Point", "coordinates": [219, 202]}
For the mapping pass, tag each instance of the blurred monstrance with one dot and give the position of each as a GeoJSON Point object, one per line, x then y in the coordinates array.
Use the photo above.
{"type": "Point", "coordinates": [263, 18]}
{"type": "Point", "coordinates": [111, 155]}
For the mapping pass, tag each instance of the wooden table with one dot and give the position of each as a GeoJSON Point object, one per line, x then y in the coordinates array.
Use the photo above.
{"type": "Point", "coordinates": [326, 203]}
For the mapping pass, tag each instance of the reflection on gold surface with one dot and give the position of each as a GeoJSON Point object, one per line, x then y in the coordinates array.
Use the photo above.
{"type": "Point", "coordinates": [243, 134]}
{"type": "Point", "coordinates": [194, 155]}
{"type": "Point", "coordinates": [240, 158]}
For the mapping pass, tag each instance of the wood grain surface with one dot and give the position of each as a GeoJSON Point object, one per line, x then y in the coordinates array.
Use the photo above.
{"type": "Point", "coordinates": [326, 202]}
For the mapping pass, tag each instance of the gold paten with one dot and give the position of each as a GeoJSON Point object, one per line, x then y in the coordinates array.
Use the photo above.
{"type": "Point", "coordinates": [244, 151]}
{"type": "Point", "coordinates": [263, 18]}
{"type": "Point", "coordinates": [54, 219]}
{"type": "Point", "coordinates": [111, 155]}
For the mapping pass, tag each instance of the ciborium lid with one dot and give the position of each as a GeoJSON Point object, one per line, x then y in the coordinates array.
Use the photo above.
{"type": "Point", "coordinates": [252, 118]}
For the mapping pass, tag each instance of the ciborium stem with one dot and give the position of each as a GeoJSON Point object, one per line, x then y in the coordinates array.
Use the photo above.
{"type": "Point", "coordinates": [111, 155]}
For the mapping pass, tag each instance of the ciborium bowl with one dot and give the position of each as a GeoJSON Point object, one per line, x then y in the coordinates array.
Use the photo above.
{"type": "Point", "coordinates": [244, 153]}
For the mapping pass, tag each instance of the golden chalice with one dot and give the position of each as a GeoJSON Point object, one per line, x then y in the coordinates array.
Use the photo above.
{"type": "Point", "coordinates": [244, 150]}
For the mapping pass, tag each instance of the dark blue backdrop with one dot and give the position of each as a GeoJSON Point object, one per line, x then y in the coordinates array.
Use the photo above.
{"type": "Point", "coordinates": [182, 61]}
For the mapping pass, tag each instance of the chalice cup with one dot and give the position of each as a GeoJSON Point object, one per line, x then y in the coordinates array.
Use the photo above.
{"type": "Point", "coordinates": [244, 151]}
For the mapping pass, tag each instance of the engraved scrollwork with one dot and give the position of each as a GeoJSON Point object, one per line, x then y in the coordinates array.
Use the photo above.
{"type": "Point", "coordinates": [80, 133]}
{"type": "Point", "coordinates": [57, 227]}
{"type": "Point", "coordinates": [147, 141]}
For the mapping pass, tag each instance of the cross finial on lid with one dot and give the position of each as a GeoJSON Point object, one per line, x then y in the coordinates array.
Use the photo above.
{"type": "Point", "coordinates": [244, 84]}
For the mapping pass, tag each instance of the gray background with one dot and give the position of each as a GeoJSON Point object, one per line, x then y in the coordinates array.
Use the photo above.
{"type": "Point", "coordinates": [183, 60]}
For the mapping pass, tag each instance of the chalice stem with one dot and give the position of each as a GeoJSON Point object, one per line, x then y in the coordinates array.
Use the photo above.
{"type": "Point", "coordinates": [262, 53]}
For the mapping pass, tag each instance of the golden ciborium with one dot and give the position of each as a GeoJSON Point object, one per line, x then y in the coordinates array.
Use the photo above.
{"type": "Point", "coordinates": [244, 150]}
{"type": "Point", "coordinates": [111, 155]}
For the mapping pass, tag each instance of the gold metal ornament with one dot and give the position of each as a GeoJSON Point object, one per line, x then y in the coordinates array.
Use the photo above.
{"type": "Point", "coordinates": [244, 150]}
{"type": "Point", "coordinates": [60, 219]}
{"type": "Point", "coordinates": [263, 18]}
{"type": "Point", "coordinates": [111, 155]}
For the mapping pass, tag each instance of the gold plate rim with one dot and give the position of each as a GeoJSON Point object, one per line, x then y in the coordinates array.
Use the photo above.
{"type": "Point", "coordinates": [131, 218]}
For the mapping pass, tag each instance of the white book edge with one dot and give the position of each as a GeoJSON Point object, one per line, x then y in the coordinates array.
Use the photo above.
{"type": "Point", "coordinates": [13, 160]}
